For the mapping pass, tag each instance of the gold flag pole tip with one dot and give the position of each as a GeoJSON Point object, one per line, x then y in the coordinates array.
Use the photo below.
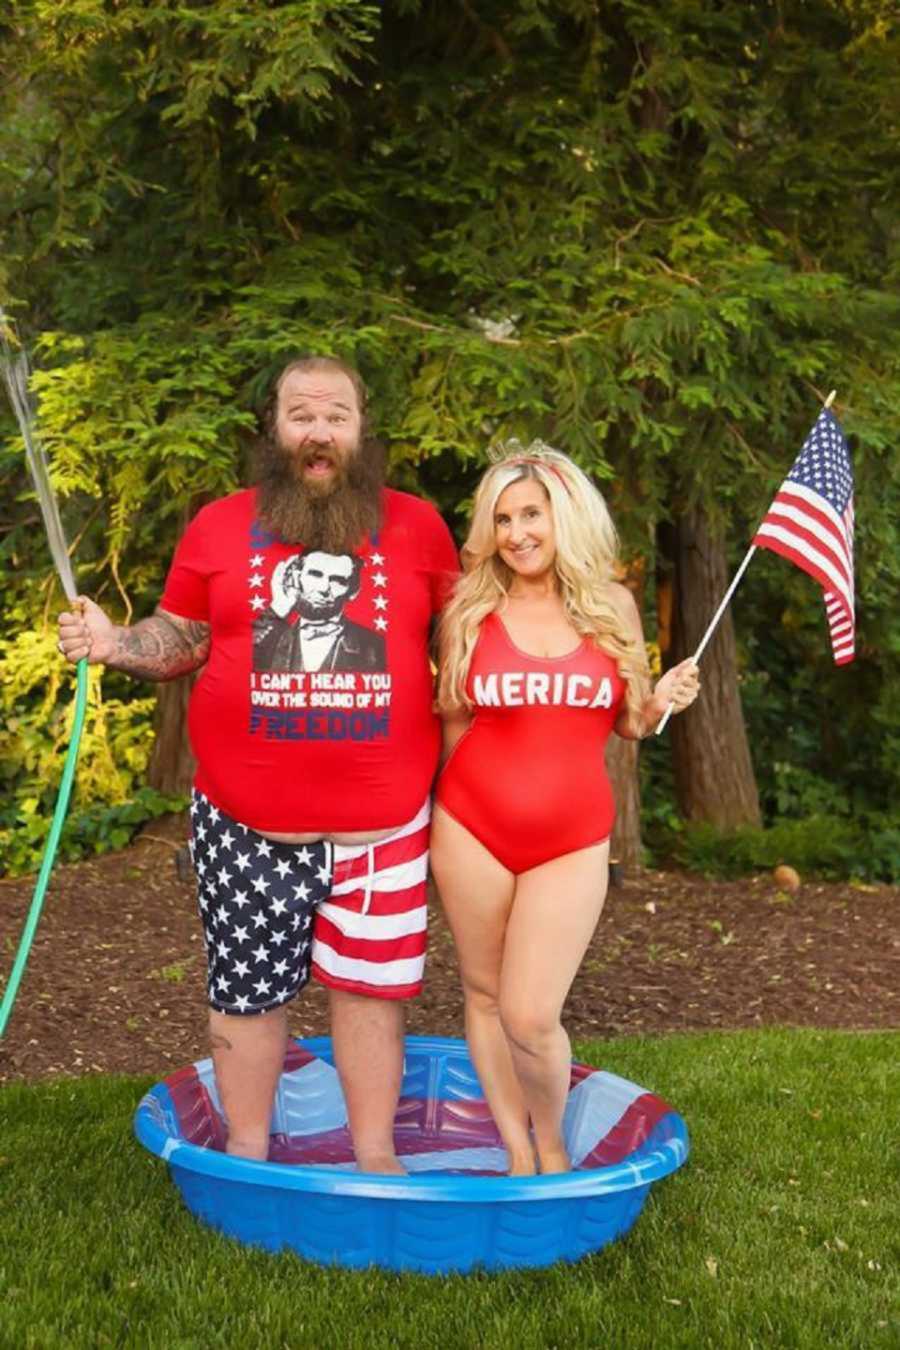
{"type": "Point", "coordinates": [830, 399]}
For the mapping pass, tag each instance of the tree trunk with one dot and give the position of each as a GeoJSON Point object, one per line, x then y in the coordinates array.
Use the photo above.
{"type": "Point", "coordinates": [171, 767]}
{"type": "Point", "coordinates": [714, 778]}
{"type": "Point", "coordinates": [621, 765]}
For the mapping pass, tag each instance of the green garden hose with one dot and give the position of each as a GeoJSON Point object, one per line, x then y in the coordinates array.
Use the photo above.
{"type": "Point", "coordinates": [59, 816]}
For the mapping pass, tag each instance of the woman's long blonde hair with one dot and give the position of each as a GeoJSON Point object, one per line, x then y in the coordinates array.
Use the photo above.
{"type": "Point", "coordinates": [586, 552]}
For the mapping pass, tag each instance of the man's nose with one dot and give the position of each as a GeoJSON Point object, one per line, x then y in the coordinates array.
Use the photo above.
{"type": "Point", "coordinates": [320, 432]}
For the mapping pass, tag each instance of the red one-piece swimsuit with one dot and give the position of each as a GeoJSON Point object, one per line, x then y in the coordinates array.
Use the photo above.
{"type": "Point", "coordinates": [528, 778]}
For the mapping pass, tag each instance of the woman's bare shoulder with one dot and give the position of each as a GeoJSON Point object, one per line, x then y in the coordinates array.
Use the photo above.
{"type": "Point", "coordinates": [620, 597]}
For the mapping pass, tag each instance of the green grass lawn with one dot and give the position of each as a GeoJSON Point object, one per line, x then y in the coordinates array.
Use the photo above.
{"type": "Point", "coordinates": [781, 1231]}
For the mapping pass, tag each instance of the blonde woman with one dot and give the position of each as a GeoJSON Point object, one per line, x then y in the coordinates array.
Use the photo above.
{"type": "Point", "coordinates": [542, 657]}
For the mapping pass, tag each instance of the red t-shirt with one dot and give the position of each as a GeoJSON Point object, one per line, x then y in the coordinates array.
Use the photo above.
{"type": "Point", "coordinates": [314, 710]}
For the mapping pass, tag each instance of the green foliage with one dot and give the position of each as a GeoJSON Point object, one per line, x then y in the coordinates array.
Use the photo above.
{"type": "Point", "coordinates": [653, 235]}
{"type": "Point", "coordinates": [98, 828]}
{"type": "Point", "coordinates": [818, 846]}
{"type": "Point", "coordinates": [109, 802]}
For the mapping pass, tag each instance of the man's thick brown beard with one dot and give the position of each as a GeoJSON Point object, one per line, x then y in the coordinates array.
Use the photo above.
{"type": "Point", "coordinates": [336, 522]}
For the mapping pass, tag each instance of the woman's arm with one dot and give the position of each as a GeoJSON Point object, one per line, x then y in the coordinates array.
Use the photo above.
{"type": "Point", "coordinates": [679, 686]}
{"type": "Point", "coordinates": [454, 725]}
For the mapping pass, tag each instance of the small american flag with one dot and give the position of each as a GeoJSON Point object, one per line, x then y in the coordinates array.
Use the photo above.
{"type": "Point", "coordinates": [810, 522]}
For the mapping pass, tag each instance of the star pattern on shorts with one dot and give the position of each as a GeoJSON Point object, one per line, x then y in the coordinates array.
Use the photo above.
{"type": "Point", "coordinates": [257, 903]}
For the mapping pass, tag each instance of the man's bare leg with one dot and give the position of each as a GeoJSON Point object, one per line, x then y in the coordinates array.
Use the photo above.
{"type": "Point", "coordinates": [248, 1054]}
{"type": "Point", "coordinates": [368, 1051]}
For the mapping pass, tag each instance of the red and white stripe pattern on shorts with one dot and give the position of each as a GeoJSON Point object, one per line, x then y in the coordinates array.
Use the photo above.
{"type": "Point", "coordinates": [370, 935]}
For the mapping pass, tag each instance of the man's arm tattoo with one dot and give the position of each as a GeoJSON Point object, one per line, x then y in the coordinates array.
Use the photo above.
{"type": "Point", "coordinates": [161, 647]}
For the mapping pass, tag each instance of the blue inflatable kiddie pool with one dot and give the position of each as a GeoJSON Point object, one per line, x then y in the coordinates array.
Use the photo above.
{"type": "Point", "coordinates": [456, 1210]}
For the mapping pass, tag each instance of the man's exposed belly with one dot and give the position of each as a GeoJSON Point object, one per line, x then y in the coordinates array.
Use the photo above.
{"type": "Point", "coordinates": [360, 837]}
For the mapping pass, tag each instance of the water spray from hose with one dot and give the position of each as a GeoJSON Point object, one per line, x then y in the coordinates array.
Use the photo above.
{"type": "Point", "coordinates": [16, 377]}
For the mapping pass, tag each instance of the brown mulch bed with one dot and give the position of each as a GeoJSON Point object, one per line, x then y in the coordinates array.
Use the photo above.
{"type": "Point", "coordinates": [115, 979]}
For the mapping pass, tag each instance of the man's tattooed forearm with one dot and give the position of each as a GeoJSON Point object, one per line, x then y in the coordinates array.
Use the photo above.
{"type": "Point", "coordinates": [159, 649]}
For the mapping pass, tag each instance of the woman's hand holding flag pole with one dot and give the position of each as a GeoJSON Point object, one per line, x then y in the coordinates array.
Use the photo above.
{"type": "Point", "coordinates": [810, 522]}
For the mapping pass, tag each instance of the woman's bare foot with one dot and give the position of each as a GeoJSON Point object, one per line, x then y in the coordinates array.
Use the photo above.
{"type": "Point", "coordinates": [385, 1164]}
{"type": "Point", "coordinates": [555, 1160]}
{"type": "Point", "coordinates": [521, 1164]}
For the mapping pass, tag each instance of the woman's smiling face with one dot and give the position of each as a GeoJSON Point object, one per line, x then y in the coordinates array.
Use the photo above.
{"type": "Point", "coordinates": [523, 528]}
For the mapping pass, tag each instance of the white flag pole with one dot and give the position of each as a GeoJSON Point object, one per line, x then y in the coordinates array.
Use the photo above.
{"type": "Point", "coordinates": [721, 610]}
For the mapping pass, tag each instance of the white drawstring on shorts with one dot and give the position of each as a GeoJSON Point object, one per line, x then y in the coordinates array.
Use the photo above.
{"type": "Point", "coordinates": [370, 878]}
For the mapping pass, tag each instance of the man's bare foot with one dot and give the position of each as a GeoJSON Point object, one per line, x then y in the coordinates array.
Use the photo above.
{"type": "Point", "coordinates": [555, 1160]}
{"type": "Point", "coordinates": [385, 1164]}
{"type": "Point", "coordinates": [239, 1148]}
{"type": "Point", "coordinates": [522, 1164]}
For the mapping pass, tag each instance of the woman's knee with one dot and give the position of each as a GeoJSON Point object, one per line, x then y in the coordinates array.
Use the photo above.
{"type": "Point", "coordinates": [528, 1028]}
{"type": "Point", "coordinates": [482, 998]}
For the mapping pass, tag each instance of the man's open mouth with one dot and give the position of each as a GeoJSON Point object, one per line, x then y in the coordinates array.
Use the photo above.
{"type": "Point", "coordinates": [319, 464]}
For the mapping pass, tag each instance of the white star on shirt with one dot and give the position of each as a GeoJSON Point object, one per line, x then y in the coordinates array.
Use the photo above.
{"type": "Point", "coordinates": [303, 856]}
{"type": "Point", "coordinates": [242, 1003]}
{"type": "Point", "coordinates": [261, 953]}
{"type": "Point", "coordinates": [262, 986]}
{"type": "Point", "coordinates": [381, 624]}
{"type": "Point", "coordinates": [227, 839]}
{"type": "Point", "coordinates": [221, 914]}
{"type": "Point", "coordinates": [322, 874]}
{"type": "Point", "coordinates": [260, 885]}
{"type": "Point", "coordinates": [241, 968]}
{"type": "Point", "coordinates": [279, 906]}
{"type": "Point", "coordinates": [241, 935]}
{"type": "Point", "coordinates": [263, 849]}
{"type": "Point", "coordinates": [301, 891]}
{"type": "Point", "coordinates": [222, 983]}
{"type": "Point", "coordinates": [259, 920]}
{"type": "Point", "coordinates": [222, 949]}
{"type": "Point", "coordinates": [279, 967]}
{"type": "Point", "coordinates": [376, 559]}
{"type": "Point", "coordinates": [257, 560]}
{"type": "Point", "coordinates": [242, 861]}
{"type": "Point", "coordinates": [381, 602]}
{"type": "Point", "coordinates": [379, 579]}
{"type": "Point", "coordinates": [224, 876]}
{"type": "Point", "coordinates": [282, 868]}
{"type": "Point", "coordinates": [257, 580]}
{"type": "Point", "coordinates": [257, 603]}
{"type": "Point", "coordinates": [240, 898]}
{"type": "Point", "coordinates": [214, 814]}
{"type": "Point", "coordinates": [278, 937]}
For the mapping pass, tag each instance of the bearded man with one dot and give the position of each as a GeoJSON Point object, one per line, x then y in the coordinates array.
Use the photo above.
{"type": "Point", "coordinates": [307, 600]}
